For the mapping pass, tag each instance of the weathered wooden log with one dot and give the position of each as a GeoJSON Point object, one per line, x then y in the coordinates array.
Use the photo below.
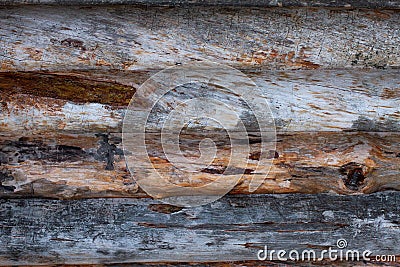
{"type": "Point", "coordinates": [84, 166]}
{"type": "Point", "coordinates": [139, 38]}
{"type": "Point", "coordinates": [68, 73]}
{"type": "Point", "coordinates": [235, 228]}
{"type": "Point", "coordinates": [331, 138]}
{"type": "Point", "coordinates": [394, 4]}
{"type": "Point", "coordinates": [328, 100]}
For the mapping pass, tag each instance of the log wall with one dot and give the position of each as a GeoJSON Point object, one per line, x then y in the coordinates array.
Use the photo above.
{"type": "Point", "coordinates": [327, 69]}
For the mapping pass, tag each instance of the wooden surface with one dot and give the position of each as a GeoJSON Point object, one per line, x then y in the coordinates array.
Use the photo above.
{"type": "Point", "coordinates": [309, 101]}
{"type": "Point", "coordinates": [231, 229]}
{"type": "Point", "coordinates": [140, 38]}
{"type": "Point", "coordinates": [58, 144]}
{"type": "Point", "coordinates": [244, 3]}
{"type": "Point", "coordinates": [329, 75]}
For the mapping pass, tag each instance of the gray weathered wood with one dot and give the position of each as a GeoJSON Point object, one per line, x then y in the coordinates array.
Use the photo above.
{"type": "Point", "coordinates": [138, 38]}
{"type": "Point", "coordinates": [245, 3]}
{"type": "Point", "coordinates": [232, 229]}
{"type": "Point", "coordinates": [90, 102]}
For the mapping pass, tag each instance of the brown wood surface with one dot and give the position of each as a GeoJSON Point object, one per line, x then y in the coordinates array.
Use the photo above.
{"type": "Point", "coordinates": [61, 134]}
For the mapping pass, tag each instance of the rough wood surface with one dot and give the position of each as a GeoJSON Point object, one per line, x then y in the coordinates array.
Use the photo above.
{"type": "Point", "coordinates": [232, 229]}
{"type": "Point", "coordinates": [84, 166]}
{"type": "Point", "coordinates": [338, 131]}
{"type": "Point", "coordinates": [395, 4]}
{"type": "Point", "coordinates": [140, 38]}
{"type": "Point", "coordinates": [92, 102]}
{"type": "Point", "coordinates": [67, 74]}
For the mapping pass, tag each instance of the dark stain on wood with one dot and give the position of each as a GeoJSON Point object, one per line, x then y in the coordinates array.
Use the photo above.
{"type": "Point", "coordinates": [64, 87]}
{"type": "Point", "coordinates": [74, 43]}
{"type": "Point", "coordinates": [164, 208]}
{"type": "Point", "coordinates": [13, 152]}
{"type": "Point", "coordinates": [5, 175]}
{"type": "Point", "coordinates": [107, 151]}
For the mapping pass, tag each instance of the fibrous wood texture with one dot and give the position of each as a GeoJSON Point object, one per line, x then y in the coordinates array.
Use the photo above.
{"type": "Point", "coordinates": [329, 76]}
{"type": "Point", "coordinates": [246, 3]}
{"type": "Point", "coordinates": [54, 147]}
{"type": "Point", "coordinates": [139, 38]}
{"type": "Point", "coordinates": [231, 229]}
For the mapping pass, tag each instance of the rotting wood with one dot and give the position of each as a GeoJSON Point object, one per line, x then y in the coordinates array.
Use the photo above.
{"type": "Point", "coordinates": [60, 38]}
{"type": "Point", "coordinates": [232, 229]}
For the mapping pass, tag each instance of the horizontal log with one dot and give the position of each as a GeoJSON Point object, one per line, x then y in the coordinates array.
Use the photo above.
{"type": "Point", "coordinates": [245, 3]}
{"type": "Point", "coordinates": [233, 229]}
{"type": "Point", "coordinates": [35, 38]}
{"type": "Point", "coordinates": [93, 102]}
{"type": "Point", "coordinates": [84, 166]}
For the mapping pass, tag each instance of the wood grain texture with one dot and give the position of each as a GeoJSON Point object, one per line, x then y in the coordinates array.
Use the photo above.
{"type": "Point", "coordinates": [338, 131]}
{"type": "Point", "coordinates": [139, 38]}
{"type": "Point", "coordinates": [244, 3]}
{"type": "Point", "coordinates": [67, 74]}
{"type": "Point", "coordinates": [79, 166]}
{"type": "Point", "coordinates": [233, 229]}
{"type": "Point", "coordinates": [93, 102]}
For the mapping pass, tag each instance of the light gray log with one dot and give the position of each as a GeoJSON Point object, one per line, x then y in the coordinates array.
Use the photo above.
{"type": "Point", "coordinates": [84, 102]}
{"type": "Point", "coordinates": [232, 229]}
{"type": "Point", "coordinates": [139, 38]}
